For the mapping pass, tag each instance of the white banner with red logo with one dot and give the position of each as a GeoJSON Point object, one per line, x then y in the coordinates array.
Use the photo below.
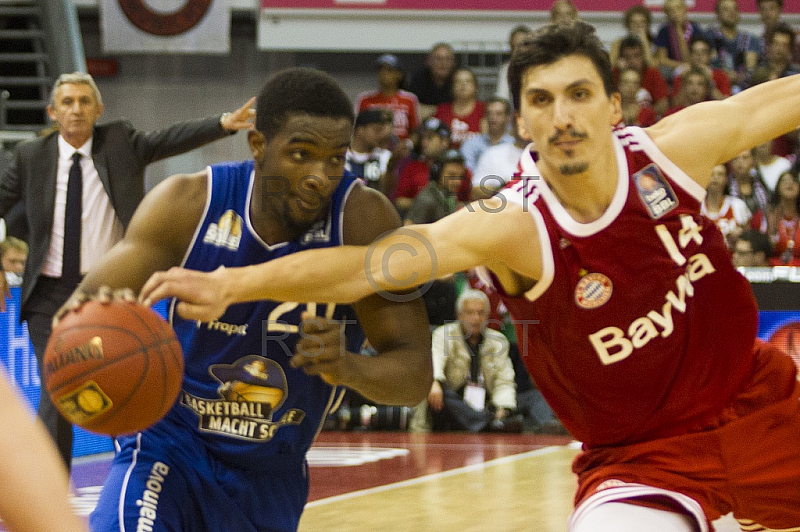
{"type": "Point", "coordinates": [175, 26]}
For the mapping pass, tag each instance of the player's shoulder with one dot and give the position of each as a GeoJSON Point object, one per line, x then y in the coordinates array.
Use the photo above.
{"type": "Point", "coordinates": [185, 190]}
{"type": "Point", "coordinates": [367, 214]}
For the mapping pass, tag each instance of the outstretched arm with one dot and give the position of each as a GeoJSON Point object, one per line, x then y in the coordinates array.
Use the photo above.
{"type": "Point", "coordinates": [492, 233]}
{"type": "Point", "coordinates": [706, 134]}
{"type": "Point", "coordinates": [35, 494]}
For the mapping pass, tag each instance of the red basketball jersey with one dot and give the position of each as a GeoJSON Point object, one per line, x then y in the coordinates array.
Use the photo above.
{"type": "Point", "coordinates": [644, 329]}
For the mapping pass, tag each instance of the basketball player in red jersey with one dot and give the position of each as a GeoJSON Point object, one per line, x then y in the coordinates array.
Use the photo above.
{"type": "Point", "coordinates": [633, 322]}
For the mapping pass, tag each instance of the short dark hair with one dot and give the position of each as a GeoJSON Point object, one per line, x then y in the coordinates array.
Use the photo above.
{"type": "Point", "coordinates": [631, 41]}
{"type": "Point", "coordinates": [299, 91]}
{"type": "Point", "coordinates": [780, 2]}
{"type": "Point", "coordinates": [554, 42]}
{"type": "Point", "coordinates": [700, 38]}
{"type": "Point", "coordinates": [499, 99]}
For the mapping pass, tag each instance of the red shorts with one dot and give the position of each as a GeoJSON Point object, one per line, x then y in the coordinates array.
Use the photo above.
{"type": "Point", "coordinates": [748, 464]}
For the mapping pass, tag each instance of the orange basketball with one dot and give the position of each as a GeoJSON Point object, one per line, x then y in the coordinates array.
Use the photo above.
{"type": "Point", "coordinates": [113, 368]}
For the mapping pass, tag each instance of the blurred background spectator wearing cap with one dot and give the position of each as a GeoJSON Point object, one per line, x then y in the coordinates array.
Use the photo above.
{"type": "Point", "coordinates": [413, 176]}
{"type": "Point", "coordinates": [440, 196]}
{"type": "Point", "coordinates": [367, 156]}
{"type": "Point", "coordinates": [401, 103]}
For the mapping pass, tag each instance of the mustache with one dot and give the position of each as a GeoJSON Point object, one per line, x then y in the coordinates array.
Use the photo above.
{"type": "Point", "coordinates": [567, 135]}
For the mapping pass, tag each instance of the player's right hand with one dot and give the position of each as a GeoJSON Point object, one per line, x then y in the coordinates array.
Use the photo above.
{"type": "Point", "coordinates": [201, 295]}
{"type": "Point", "coordinates": [104, 294]}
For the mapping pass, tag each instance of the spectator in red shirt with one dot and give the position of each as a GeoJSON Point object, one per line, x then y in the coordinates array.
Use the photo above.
{"type": "Point", "coordinates": [464, 115]}
{"type": "Point", "coordinates": [696, 88]}
{"type": "Point", "coordinates": [700, 58]}
{"type": "Point", "coordinates": [634, 112]}
{"type": "Point", "coordinates": [783, 220]}
{"type": "Point", "coordinates": [390, 96]}
{"type": "Point", "coordinates": [655, 89]}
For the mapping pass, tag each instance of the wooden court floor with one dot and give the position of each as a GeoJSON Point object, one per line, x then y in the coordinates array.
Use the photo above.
{"type": "Point", "coordinates": [398, 482]}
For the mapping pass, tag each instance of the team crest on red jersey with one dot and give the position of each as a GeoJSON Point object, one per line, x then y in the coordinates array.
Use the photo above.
{"type": "Point", "coordinates": [655, 191]}
{"type": "Point", "coordinates": [593, 290]}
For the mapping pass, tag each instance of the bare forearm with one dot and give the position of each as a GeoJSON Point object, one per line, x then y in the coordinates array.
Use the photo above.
{"type": "Point", "coordinates": [334, 275]}
{"type": "Point", "coordinates": [342, 274]}
{"type": "Point", "coordinates": [34, 495]}
{"type": "Point", "coordinates": [387, 378]}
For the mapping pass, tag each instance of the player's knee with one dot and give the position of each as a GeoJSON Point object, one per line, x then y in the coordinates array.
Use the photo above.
{"type": "Point", "coordinates": [622, 517]}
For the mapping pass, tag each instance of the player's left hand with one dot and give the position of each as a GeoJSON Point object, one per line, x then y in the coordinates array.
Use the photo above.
{"type": "Point", "coordinates": [321, 349]}
{"type": "Point", "coordinates": [200, 294]}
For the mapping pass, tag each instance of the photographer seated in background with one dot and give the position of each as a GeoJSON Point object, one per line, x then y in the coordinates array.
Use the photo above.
{"type": "Point", "coordinates": [474, 387]}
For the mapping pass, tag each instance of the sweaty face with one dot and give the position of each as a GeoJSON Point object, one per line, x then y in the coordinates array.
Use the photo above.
{"type": "Point", "coordinates": [566, 112]}
{"type": "Point", "coordinates": [300, 168]}
{"type": "Point", "coordinates": [76, 109]}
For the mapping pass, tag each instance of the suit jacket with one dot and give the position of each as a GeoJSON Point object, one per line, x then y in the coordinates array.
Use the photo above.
{"type": "Point", "coordinates": [120, 153]}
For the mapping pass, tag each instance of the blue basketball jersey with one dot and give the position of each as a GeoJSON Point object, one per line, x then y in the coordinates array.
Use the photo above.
{"type": "Point", "coordinates": [240, 396]}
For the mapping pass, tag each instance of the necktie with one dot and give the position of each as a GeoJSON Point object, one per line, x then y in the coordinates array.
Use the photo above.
{"type": "Point", "coordinates": [71, 265]}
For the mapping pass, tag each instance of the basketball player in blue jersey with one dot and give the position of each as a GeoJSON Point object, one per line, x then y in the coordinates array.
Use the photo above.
{"type": "Point", "coordinates": [230, 455]}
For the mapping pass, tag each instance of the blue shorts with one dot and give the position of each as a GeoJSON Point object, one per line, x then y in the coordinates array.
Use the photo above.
{"type": "Point", "coordinates": [162, 481]}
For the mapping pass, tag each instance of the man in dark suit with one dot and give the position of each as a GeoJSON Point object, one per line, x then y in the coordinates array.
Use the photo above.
{"type": "Point", "coordinates": [80, 186]}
